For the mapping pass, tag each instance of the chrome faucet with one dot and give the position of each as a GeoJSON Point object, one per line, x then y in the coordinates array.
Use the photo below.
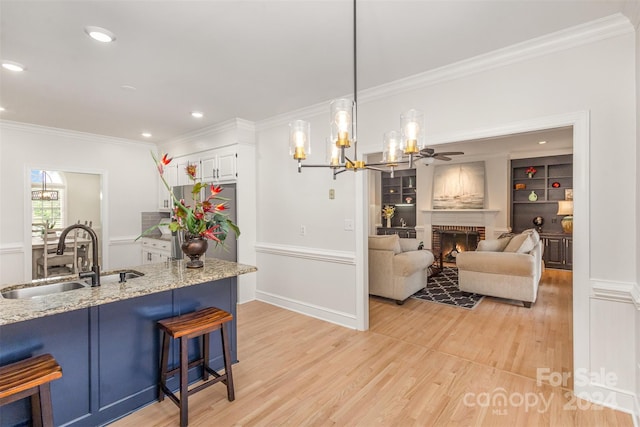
{"type": "Point", "coordinates": [95, 268]}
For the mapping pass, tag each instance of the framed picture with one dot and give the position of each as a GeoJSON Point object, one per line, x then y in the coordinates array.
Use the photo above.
{"type": "Point", "coordinates": [568, 194]}
{"type": "Point", "coordinates": [459, 186]}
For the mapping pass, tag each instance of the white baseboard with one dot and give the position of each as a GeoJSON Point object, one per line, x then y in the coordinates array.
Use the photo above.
{"type": "Point", "coordinates": [610, 397]}
{"type": "Point", "coordinates": [339, 318]}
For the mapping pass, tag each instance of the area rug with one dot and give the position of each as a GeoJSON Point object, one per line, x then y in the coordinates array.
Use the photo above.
{"type": "Point", "coordinates": [443, 289]}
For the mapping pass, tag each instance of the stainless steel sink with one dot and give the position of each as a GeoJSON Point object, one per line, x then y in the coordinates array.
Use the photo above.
{"type": "Point", "coordinates": [43, 290]}
{"type": "Point", "coordinates": [119, 276]}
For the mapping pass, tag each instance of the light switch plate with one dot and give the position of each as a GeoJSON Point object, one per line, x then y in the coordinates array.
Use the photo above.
{"type": "Point", "coordinates": [332, 194]}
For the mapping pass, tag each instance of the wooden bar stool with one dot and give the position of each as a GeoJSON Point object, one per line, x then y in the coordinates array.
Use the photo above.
{"type": "Point", "coordinates": [31, 378]}
{"type": "Point", "coordinates": [193, 325]}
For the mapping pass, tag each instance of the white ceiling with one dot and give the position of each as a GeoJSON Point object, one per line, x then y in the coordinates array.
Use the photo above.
{"type": "Point", "coordinates": [252, 59]}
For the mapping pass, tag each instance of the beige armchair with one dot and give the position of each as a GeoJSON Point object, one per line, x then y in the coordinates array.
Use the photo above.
{"type": "Point", "coordinates": [397, 269]}
{"type": "Point", "coordinates": [510, 267]}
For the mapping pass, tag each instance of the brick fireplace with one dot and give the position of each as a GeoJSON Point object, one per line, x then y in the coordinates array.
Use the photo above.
{"type": "Point", "coordinates": [482, 221]}
{"type": "Point", "coordinates": [449, 240]}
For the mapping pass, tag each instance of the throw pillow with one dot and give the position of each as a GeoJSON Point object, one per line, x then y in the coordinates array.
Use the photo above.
{"type": "Point", "coordinates": [520, 243]}
{"type": "Point", "coordinates": [494, 245]}
{"type": "Point", "coordinates": [385, 243]}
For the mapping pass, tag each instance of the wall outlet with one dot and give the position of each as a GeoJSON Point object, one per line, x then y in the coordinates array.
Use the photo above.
{"type": "Point", "coordinates": [303, 230]}
{"type": "Point", "coordinates": [332, 194]}
{"type": "Point", "coordinates": [348, 225]}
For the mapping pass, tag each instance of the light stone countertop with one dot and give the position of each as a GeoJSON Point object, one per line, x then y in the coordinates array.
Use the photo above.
{"type": "Point", "coordinates": [157, 277]}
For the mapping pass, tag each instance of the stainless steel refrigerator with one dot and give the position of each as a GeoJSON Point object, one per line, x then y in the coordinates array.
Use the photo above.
{"type": "Point", "coordinates": [230, 251]}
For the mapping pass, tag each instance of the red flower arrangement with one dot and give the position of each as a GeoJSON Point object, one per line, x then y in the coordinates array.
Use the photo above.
{"type": "Point", "coordinates": [531, 171]}
{"type": "Point", "coordinates": [207, 217]}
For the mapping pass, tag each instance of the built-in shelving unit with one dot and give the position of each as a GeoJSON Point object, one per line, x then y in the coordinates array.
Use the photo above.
{"type": "Point", "coordinates": [399, 191]}
{"type": "Point", "coordinates": [553, 177]}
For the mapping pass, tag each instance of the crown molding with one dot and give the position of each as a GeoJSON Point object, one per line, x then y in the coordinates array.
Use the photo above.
{"type": "Point", "coordinates": [216, 129]}
{"type": "Point", "coordinates": [66, 133]}
{"type": "Point", "coordinates": [590, 32]}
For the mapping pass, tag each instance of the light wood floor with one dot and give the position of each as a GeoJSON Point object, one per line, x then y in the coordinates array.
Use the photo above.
{"type": "Point", "coordinates": [420, 364]}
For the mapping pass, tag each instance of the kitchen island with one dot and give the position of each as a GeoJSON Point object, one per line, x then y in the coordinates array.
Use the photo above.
{"type": "Point", "coordinates": [105, 338]}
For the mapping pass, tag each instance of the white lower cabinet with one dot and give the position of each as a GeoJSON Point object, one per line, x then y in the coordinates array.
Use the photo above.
{"type": "Point", "coordinates": [155, 250]}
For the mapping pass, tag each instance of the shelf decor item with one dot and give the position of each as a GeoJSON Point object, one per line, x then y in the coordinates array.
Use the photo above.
{"type": "Point", "coordinates": [538, 222]}
{"type": "Point", "coordinates": [388, 212]}
{"type": "Point", "coordinates": [408, 199]}
{"type": "Point", "coordinates": [533, 196]}
{"type": "Point", "coordinates": [521, 186]}
{"type": "Point", "coordinates": [568, 194]}
{"type": "Point", "coordinates": [531, 171]}
{"type": "Point", "coordinates": [556, 184]}
{"type": "Point", "coordinates": [205, 220]}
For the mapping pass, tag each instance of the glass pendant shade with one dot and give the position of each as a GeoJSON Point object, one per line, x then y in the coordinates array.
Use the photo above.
{"type": "Point", "coordinates": [299, 139]}
{"type": "Point", "coordinates": [412, 126]}
{"type": "Point", "coordinates": [342, 122]}
{"type": "Point", "coordinates": [391, 152]}
{"type": "Point", "coordinates": [333, 153]}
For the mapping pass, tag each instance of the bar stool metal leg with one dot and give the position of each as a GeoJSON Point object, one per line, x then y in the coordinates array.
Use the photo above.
{"type": "Point", "coordinates": [184, 381]}
{"type": "Point", "coordinates": [227, 363]}
{"type": "Point", "coordinates": [164, 361]}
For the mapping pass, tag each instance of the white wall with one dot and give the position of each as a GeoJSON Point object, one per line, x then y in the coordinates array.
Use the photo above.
{"type": "Point", "coordinates": [129, 187]}
{"type": "Point", "coordinates": [83, 198]}
{"type": "Point", "coordinates": [594, 81]}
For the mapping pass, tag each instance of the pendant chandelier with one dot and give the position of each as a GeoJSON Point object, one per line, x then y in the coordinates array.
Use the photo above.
{"type": "Point", "coordinates": [409, 141]}
{"type": "Point", "coordinates": [44, 194]}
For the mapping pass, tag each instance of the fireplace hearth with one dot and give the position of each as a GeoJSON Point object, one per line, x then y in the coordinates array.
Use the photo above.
{"type": "Point", "coordinates": [449, 241]}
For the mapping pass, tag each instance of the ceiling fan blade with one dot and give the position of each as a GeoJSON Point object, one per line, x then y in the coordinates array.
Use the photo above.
{"type": "Point", "coordinates": [449, 153]}
{"type": "Point", "coordinates": [427, 152]}
{"type": "Point", "coordinates": [441, 157]}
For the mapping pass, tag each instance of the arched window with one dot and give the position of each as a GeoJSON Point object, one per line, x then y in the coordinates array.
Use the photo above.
{"type": "Point", "coordinates": [47, 198]}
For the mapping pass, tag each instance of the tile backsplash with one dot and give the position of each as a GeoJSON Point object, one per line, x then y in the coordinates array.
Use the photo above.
{"type": "Point", "coordinates": [149, 219]}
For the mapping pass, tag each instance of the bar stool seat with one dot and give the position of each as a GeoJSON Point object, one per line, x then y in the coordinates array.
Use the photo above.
{"type": "Point", "coordinates": [31, 378]}
{"type": "Point", "coordinates": [193, 325]}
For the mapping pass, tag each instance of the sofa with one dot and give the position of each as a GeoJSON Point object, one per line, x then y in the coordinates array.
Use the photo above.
{"type": "Point", "coordinates": [509, 267]}
{"type": "Point", "coordinates": [397, 269]}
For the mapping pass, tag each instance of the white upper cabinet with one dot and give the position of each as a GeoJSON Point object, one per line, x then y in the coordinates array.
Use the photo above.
{"type": "Point", "coordinates": [213, 166]}
{"type": "Point", "coordinates": [220, 165]}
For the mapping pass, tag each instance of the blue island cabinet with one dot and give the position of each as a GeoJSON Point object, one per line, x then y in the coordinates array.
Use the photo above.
{"type": "Point", "coordinates": [109, 353]}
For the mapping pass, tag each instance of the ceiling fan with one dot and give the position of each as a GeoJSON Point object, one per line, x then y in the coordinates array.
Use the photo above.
{"type": "Point", "coordinates": [429, 155]}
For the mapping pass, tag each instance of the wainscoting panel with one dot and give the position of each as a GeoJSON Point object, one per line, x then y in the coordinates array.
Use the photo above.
{"type": "Point", "coordinates": [317, 283]}
{"type": "Point", "coordinates": [611, 376]}
{"type": "Point", "coordinates": [12, 264]}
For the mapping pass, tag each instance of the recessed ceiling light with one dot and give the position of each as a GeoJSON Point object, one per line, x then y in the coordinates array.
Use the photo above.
{"type": "Point", "coordinates": [2, 109]}
{"type": "Point", "coordinates": [13, 66]}
{"type": "Point", "coordinates": [197, 114]}
{"type": "Point", "coordinates": [542, 142]}
{"type": "Point", "coordinates": [100, 34]}
{"type": "Point", "coordinates": [146, 134]}
{"type": "Point", "coordinates": [128, 87]}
